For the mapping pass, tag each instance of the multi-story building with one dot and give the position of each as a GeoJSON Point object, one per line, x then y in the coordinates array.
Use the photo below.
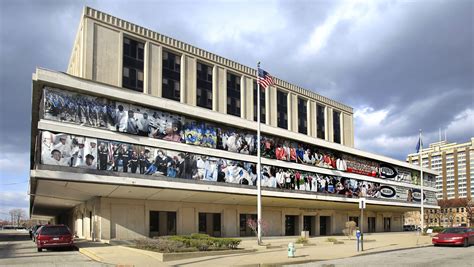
{"type": "Point", "coordinates": [455, 165]}
{"type": "Point", "coordinates": [145, 135]}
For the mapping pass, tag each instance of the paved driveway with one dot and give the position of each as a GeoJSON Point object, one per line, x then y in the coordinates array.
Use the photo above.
{"type": "Point", "coordinates": [16, 248]}
{"type": "Point", "coordinates": [428, 256]}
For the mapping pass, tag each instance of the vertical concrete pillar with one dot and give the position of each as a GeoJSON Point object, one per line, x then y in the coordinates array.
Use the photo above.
{"type": "Point", "coordinates": [249, 100]}
{"type": "Point", "coordinates": [468, 174]}
{"type": "Point", "coordinates": [190, 82]}
{"type": "Point", "coordinates": [219, 93]}
{"type": "Point", "coordinates": [456, 181]}
{"type": "Point", "coordinates": [444, 173]}
{"type": "Point", "coordinates": [300, 224]}
{"type": "Point", "coordinates": [230, 227]}
{"type": "Point", "coordinates": [155, 73]}
{"type": "Point", "coordinates": [243, 93]}
{"type": "Point", "coordinates": [317, 230]}
{"type": "Point", "coordinates": [329, 125]}
{"type": "Point", "coordinates": [272, 106]}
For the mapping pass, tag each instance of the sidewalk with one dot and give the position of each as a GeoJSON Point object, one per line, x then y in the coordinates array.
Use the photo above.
{"type": "Point", "coordinates": [323, 250]}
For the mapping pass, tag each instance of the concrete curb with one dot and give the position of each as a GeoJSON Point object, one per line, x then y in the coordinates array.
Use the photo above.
{"type": "Point", "coordinates": [91, 255]}
{"type": "Point", "coordinates": [278, 264]}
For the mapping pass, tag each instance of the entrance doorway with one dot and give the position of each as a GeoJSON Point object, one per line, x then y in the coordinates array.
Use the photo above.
{"type": "Point", "coordinates": [371, 225]}
{"type": "Point", "coordinates": [309, 224]}
{"type": "Point", "coordinates": [162, 223]}
{"type": "Point", "coordinates": [386, 225]}
{"type": "Point", "coordinates": [291, 224]}
{"type": "Point", "coordinates": [210, 223]}
{"type": "Point", "coordinates": [324, 225]}
{"type": "Point", "coordinates": [245, 230]}
{"type": "Point", "coordinates": [354, 219]}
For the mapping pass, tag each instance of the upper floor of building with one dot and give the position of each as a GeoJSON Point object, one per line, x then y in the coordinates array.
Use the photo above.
{"type": "Point", "coordinates": [116, 52]}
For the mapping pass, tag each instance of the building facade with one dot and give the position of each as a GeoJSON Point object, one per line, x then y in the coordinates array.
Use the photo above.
{"type": "Point", "coordinates": [146, 135]}
{"type": "Point", "coordinates": [455, 165]}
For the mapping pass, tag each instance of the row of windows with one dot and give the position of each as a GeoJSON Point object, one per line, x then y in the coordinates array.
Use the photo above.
{"type": "Point", "coordinates": [133, 65]}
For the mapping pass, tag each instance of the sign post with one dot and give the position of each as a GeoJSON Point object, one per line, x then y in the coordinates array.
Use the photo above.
{"type": "Point", "coordinates": [362, 202]}
{"type": "Point", "coordinates": [358, 239]}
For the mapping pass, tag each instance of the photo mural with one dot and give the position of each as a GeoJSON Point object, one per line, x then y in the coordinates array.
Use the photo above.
{"type": "Point", "coordinates": [76, 151]}
{"type": "Point", "coordinates": [65, 106]}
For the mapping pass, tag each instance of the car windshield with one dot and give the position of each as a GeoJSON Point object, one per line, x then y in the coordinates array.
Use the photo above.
{"type": "Point", "coordinates": [55, 230]}
{"type": "Point", "coordinates": [454, 231]}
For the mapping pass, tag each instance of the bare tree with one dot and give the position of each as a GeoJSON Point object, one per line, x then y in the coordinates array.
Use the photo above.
{"type": "Point", "coordinates": [16, 216]}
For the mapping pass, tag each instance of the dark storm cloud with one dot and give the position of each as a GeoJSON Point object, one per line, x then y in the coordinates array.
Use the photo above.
{"type": "Point", "coordinates": [390, 56]}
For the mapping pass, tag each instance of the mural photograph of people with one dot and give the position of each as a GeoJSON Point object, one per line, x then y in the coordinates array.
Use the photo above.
{"type": "Point", "coordinates": [137, 120]}
{"type": "Point", "coordinates": [68, 150]}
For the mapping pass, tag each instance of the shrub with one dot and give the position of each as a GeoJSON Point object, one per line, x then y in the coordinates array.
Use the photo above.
{"type": "Point", "coordinates": [331, 239]}
{"type": "Point", "coordinates": [302, 240]}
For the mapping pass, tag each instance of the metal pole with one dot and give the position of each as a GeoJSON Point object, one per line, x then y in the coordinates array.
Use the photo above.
{"type": "Point", "coordinates": [259, 192]}
{"type": "Point", "coordinates": [422, 193]}
{"type": "Point", "coordinates": [362, 228]}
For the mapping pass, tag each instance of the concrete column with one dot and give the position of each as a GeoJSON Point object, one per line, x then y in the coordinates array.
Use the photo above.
{"type": "Point", "coordinates": [219, 94]}
{"type": "Point", "coordinates": [88, 48]}
{"type": "Point", "coordinates": [243, 100]}
{"type": "Point", "coordinates": [300, 224]}
{"type": "Point", "coordinates": [182, 79]}
{"type": "Point", "coordinates": [155, 59]}
{"type": "Point", "coordinates": [289, 104]}
{"type": "Point", "coordinates": [229, 225]}
{"type": "Point", "coordinates": [293, 113]}
{"type": "Point", "coordinates": [317, 231]}
{"type": "Point", "coordinates": [272, 106]}
{"type": "Point", "coordinates": [248, 100]}
{"type": "Point", "coordinates": [190, 82]}
{"type": "Point", "coordinates": [187, 224]}
{"type": "Point", "coordinates": [329, 125]}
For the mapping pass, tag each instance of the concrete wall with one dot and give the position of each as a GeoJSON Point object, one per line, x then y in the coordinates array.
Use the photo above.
{"type": "Point", "coordinates": [125, 219]}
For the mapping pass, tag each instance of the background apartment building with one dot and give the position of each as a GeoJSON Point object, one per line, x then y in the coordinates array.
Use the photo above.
{"type": "Point", "coordinates": [455, 165]}
{"type": "Point", "coordinates": [146, 135]}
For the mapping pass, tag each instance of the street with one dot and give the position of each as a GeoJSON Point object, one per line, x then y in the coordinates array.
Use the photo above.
{"type": "Point", "coordinates": [428, 256]}
{"type": "Point", "coordinates": [16, 248]}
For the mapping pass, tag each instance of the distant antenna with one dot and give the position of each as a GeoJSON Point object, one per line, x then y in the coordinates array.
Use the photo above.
{"type": "Point", "coordinates": [445, 136]}
{"type": "Point", "coordinates": [440, 134]}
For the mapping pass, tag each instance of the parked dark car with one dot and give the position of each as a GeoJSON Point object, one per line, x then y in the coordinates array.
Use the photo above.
{"type": "Point", "coordinates": [33, 230]}
{"type": "Point", "coordinates": [454, 236]}
{"type": "Point", "coordinates": [54, 236]}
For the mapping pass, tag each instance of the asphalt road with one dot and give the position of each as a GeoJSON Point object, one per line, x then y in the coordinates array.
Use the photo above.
{"type": "Point", "coordinates": [16, 248]}
{"type": "Point", "coordinates": [427, 256]}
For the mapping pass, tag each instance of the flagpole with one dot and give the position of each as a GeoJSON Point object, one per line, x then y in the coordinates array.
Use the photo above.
{"type": "Point", "coordinates": [259, 192]}
{"type": "Point", "coordinates": [422, 193]}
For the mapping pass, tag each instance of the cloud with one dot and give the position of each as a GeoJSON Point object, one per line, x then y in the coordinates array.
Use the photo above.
{"type": "Point", "coordinates": [13, 200]}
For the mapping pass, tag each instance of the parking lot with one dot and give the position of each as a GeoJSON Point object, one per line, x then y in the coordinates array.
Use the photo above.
{"type": "Point", "coordinates": [16, 248]}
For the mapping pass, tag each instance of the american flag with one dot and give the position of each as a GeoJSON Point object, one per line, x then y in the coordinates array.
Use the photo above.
{"type": "Point", "coordinates": [264, 78]}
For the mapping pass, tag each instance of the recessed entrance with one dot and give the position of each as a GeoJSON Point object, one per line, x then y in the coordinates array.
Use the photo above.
{"type": "Point", "coordinates": [309, 224]}
{"type": "Point", "coordinates": [210, 223]}
{"type": "Point", "coordinates": [371, 225]}
{"type": "Point", "coordinates": [325, 225]}
{"type": "Point", "coordinates": [162, 223]}
{"type": "Point", "coordinates": [386, 224]}
{"type": "Point", "coordinates": [291, 225]}
{"type": "Point", "coordinates": [245, 230]}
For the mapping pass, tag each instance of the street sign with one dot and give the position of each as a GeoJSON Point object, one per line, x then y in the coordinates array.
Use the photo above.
{"type": "Point", "coordinates": [362, 203]}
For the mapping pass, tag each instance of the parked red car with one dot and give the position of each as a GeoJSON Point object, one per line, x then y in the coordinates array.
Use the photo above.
{"type": "Point", "coordinates": [454, 236]}
{"type": "Point", "coordinates": [53, 236]}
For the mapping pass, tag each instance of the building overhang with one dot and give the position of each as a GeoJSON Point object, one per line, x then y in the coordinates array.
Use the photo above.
{"type": "Point", "coordinates": [54, 190]}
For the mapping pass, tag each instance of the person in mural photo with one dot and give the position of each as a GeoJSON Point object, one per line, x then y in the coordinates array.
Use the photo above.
{"type": "Point", "coordinates": [103, 152]}
{"type": "Point", "coordinates": [143, 161]}
{"type": "Point", "coordinates": [90, 162]}
{"type": "Point", "coordinates": [120, 118]}
{"type": "Point", "coordinates": [173, 131]}
{"type": "Point", "coordinates": [57, 159]}
{"type": "Point", "coordinates": [410, 195]}
{"type": "Point", "coordinates": [132, 123]}
{"type": "Point", "coordinates": [144, 125]}
{"type": "Point", "coordinates": [161, 162]}
{"type": "Point", "coordinates": [133, 162]}
{"type": "Point", "coordinates": [180, 169]}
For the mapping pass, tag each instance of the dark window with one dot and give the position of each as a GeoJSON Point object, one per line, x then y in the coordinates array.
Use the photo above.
{"type": "Point", "coordinates": [282, 109]}
{"type": "Point", "coordinates": [171, 76]}
{"type": "Point", "coordinates": [336, 122]}
{"type": "Point", "coordinates": [216, 222]}
{"type": "Point", "coordinates": [171, 224]}
{"type": "Point", "coordinates": [154, 221]}
{"type": "Point", "coordinates": [262, 103]}
{"type": "Point", "coordinates": [233, 94]}
{"type": "Point", "coordinates": [302, 116]}
{"type": "Point", "coordinates": [55, 230]}
{"type": "Point", "coordinates": [132, 77]}
{"type": "Point", "coordinates": [202, 223]}
{"type": "Point", "coordinates": [320, 122]}
{"type": "Point", "coordinates": [204, 85]}
{"type": "Point", "coordinates": [354, 219]}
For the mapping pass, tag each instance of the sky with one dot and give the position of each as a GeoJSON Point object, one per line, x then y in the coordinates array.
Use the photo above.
{"type": "Point", "coordinates": [402, 65]}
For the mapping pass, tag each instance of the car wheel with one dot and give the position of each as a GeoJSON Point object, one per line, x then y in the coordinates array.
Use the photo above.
{"type": "Point", "coordinates": [466, 243]}
{"type": "Point", "coordinates": [40, 249]}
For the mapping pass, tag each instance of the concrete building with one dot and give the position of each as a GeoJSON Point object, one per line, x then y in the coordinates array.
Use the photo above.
{"type": "Point", "coordinates": [455, 165]}
{"type": "Point", "coordinates": [145, 135]}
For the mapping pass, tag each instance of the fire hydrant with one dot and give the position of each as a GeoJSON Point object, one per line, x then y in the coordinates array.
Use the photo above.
{"type": "Point", "coordinates": [291, 250]}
